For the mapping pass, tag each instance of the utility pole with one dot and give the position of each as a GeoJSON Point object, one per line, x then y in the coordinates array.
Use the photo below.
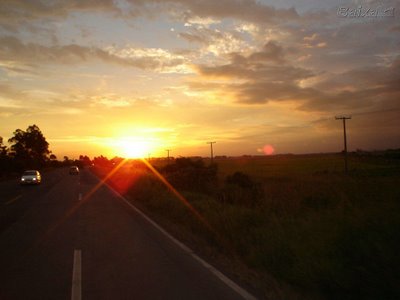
{"type": "Point", "coordinates": [344, 118]}
{"type": "Point", "coordinates": [168, 150]}
{"type": "Point", "coordinates": [212, 153]}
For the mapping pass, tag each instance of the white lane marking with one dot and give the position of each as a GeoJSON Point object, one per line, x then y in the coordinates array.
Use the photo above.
{"type": "Point", "coordinates": [242, 292]}
{"type": "Point", "coordinates": [13, 199]}
{"type": "Point", "coordinates": [80, 197]}
{"type": "Point", "coordinates": [76, 293]}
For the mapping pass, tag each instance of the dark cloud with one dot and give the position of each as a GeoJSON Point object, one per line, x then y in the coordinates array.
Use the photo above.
{"type": "Point", "coordinates": [14, 10]}
{"type": "Point", "coordinates": [366, 87]}
{"type": "Point", "coordinates": [201, 35]}
{"type": "Point", "coordinates": [245, 10]}
{"type": "Point", "coordinates": [17, 13]}
{"type": "Point", "coordinates": [271, 52]}
{"type": "Point", "coordinates": [268, 64]}
{"type": "Point", "coordinates": [364, 78]}
{"type": "Point", "coordinates": [266, 75]}
{"type": "Point", "coordinates": [12, 49]}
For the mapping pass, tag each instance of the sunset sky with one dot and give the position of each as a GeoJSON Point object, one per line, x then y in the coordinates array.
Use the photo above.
{"type": "Point", "coordinates": [137, 77]}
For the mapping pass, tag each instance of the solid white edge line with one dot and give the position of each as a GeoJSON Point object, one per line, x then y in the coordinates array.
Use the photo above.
{"type": "Point", "coordinates": [76, 292]}
{"type": "Point", "coordinates": [234, 286]}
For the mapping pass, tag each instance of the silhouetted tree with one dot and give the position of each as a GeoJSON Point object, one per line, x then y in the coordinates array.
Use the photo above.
{"type": "Point", "coordinates": [5, 163]}
{"type": "Point", "coordinates": [53, 162]}
{"type": "Point", "coordinates": [102, 161]}
{"type": "Point", "coordinates": [3, 148]}
{"type": "Point", "coordinates": [29, 148]}
{"type": "Point", "coordinates": [85, 160]}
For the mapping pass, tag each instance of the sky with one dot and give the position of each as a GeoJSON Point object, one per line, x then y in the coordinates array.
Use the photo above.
{"type": "Point", "coordinates": [137, 77]}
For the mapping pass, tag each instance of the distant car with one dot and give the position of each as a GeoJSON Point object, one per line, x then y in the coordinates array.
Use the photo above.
{"type": "Point", "coordinates": [31, 177]}
{"type": "Point", "coordinates": [74, 170]}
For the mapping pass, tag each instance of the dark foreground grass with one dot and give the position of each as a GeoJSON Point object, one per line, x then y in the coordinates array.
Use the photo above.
{"type": "Point", "coordinates": [316, 232]}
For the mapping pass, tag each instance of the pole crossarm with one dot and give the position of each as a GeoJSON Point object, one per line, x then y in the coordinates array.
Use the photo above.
{"type": "Point", "coordinates": [342, 117]}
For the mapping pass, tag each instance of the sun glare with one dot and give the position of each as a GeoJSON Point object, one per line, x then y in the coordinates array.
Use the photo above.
{"type": "Point", "coordinates": [134, 147]}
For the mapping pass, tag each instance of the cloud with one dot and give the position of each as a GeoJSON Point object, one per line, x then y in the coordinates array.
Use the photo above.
{"type": "Point", "coordinates": [17, 16]}
{"type": "Point", "coordinates": [249, 10]}
{"type": "Point", "coordinates": [16, 13]}
{"type": "Point", "coordinates": [365, 88]}
{"type": "Point", "coordinates": [12, 49]}
{"type": "Point", "coordinates": [215, 42]}
{"type": "Point", "coordinates": [268, 63]}
{"type": "Point", "coordinates": [31, 54]}
{"type": "Point", "coordinates": [17, 10]}
{"type": "Point", "coordinates": [204, 22]}
{"type": "Point", "coordinates": [367, 77]}
{"type": "Point", "coordinates": [16, 102]}
{"type": "Point", "coordinates": [267, 75]}
{"type": "Point", "coordinates": [10, 96]}
{"type": "Point", "coordinates": [156, 59]}
{"type": "Point", "coordinates": [110, 101]}
{"type": "Point", "coordinates": [260, 77]}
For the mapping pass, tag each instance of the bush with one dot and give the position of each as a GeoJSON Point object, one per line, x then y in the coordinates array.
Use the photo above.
{"type": "Point", "coordinates": [240, 189]}
{"type": "Point", "coordinates": [191, 175]}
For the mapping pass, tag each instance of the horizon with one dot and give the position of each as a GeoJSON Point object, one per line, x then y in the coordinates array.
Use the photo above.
{"type": "Point", "coordinates": [120, 78]}
{"type": "Point", "coordinates": [223, 157]}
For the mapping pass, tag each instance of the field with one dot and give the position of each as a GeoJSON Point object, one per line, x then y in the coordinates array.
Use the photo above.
{"type": "Point", "coordinates": [294, 226]}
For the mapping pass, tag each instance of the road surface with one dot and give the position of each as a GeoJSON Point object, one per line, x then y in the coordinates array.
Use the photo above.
{"type": "Point", "coordinates": [67, 239]}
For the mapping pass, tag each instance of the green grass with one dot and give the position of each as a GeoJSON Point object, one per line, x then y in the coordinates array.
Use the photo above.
{"type": "Point", "coordinates": [316, 231]}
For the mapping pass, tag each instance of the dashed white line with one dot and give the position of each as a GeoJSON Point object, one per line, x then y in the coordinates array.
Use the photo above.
{"type": "Point", "coordinates": [13, 199]}
{"type": "Point", "coordinates": [76, 293]}
{"type": "Point", "coordinates": [80, 197]}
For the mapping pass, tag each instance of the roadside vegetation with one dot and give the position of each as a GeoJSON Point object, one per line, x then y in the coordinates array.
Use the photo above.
{"type": "Point", "coordinates": [294, 226]}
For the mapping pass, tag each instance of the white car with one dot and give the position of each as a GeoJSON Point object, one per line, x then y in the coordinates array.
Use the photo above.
{"type": "Point", "coordinates": [31, 177]}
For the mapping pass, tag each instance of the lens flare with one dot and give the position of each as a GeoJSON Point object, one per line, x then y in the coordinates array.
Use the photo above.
{"type": "Point", "coordinates": [178, 195]}
{"type": "Point", "coordinates": [268, 150]}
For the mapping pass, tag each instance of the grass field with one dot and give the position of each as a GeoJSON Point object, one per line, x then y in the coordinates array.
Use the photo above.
{"type": "Point", "coordinates": [293, 226]}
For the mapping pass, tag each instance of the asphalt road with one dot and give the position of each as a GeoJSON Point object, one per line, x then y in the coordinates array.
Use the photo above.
{"type": "Point", "coordinates": [71, 238]}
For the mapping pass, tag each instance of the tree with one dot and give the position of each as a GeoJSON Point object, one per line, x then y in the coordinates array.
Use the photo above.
{"type": "Point", "coordinates": [85, 160]}
{"type": "Point", "coordinates": [102, 161]}
{"type": "Point", "coordinates": [29, 148]}
{"type": "Point", "coordinates": [4, 158]}
{"type": "Point", "coordinates": [3, 148]}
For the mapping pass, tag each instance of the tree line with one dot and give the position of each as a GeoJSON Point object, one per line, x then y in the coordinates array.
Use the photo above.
{"type": "Point", "coordinates": [29, 150]}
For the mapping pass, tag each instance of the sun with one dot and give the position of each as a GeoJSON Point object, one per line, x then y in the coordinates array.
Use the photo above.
{"type": "Point", "coordinates": [134, 147]}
